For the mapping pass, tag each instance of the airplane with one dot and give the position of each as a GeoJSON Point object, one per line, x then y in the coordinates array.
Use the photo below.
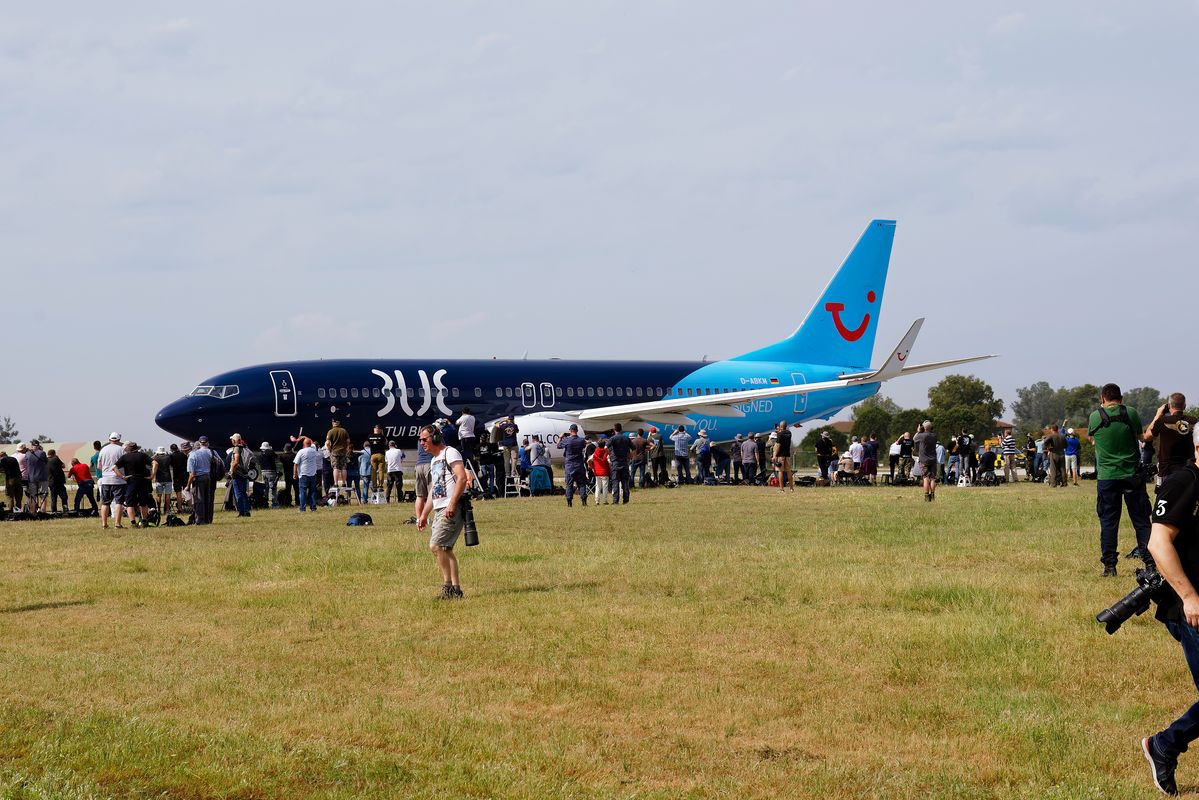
{"type": "Point", "coordinates": [821, 368]}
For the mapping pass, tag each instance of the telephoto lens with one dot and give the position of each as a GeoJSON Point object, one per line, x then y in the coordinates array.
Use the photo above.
{"type": "Point", "coordinates": [1136, 602]}
{"type": "Point", "coordinates": [470, 533]}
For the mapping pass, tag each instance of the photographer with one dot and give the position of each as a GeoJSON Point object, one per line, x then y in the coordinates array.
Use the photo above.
{"type": "Point", "coordinates": [1114, 430]}
{"type": "Point", "coordinates": [1172, 427]}
{"type": "Point", "coordinates": [447, 481]}
{"type": "Point", "coordinates": [1174, 546]}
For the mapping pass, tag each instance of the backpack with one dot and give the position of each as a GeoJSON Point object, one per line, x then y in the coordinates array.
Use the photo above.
{"type": "Point", "coordinates": [243, 460]}
{"type": "Point", "coordinates": [217, 469]}
{"type": "Point", "coordinates": [1105, 419]}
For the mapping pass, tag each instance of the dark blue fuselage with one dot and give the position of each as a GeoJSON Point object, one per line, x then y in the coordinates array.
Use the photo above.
{"type": "Point", "coordinates": [272, 402]}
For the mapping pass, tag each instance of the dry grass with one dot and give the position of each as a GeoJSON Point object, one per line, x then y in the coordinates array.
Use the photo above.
{"type": "Point", "coordinates": [697, 643]}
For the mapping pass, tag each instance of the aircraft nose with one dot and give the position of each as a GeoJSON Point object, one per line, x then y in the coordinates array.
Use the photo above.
{"type": "Point", "coordinates": [178, 417]}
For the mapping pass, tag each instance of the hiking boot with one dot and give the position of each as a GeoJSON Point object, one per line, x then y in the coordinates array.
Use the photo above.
{"type": "Point", "coordinates": [1135, 552]}
{"type": "Point", "coordinates": [1109, 571]}
{"type": "Point", "coordinates": [1162, 768]}
{"type": "Point", "coordinates": [447, 592]}
{"type": "Point", "coordinates": [456, 593]}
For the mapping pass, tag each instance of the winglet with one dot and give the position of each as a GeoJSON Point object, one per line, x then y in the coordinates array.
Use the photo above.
{"type": "Point", "coordinates": [893, 366]}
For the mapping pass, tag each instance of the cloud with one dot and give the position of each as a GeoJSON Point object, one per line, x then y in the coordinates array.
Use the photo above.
{"type": "Point", "coordinates": [1008, 24]}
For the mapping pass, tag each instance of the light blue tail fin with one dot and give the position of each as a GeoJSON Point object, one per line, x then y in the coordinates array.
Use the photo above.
{"type": "Point", "coordinates": [840, 328]}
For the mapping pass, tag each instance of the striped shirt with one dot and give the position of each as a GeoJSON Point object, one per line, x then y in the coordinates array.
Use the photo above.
{"type": "Point", "coordinates": [1009, 445]}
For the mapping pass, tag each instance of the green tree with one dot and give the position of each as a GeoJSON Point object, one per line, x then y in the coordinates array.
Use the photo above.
{"type": "Point", "coordinates": [1146, 400]}
{"type": "Point", "coordinates": [1078, 403]}
{"type": "Point", "coordinates": [876, 402]}
{"type": "Point", "coordinates": [1038, 405]}
{"type": "Point", "coordinates": [909, 419]}
{"type": "Point", "coordinates": [958, 401]}
{"type": "Point", "coordinates": [8, 431]}
{"type": "Point", "coordinates": [873, 419]}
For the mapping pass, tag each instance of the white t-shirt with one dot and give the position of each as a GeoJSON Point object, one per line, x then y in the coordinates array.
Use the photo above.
{"type": "Point", "coordinates": [466, 426]}
{"type": "Point", "coordinates": [109, 455]}
{"type": "Point", "coordinates": [855, 452]}
{"type": "Point", "coordinates": [395, 459]}
{"type": "Point", "coordinates": [441, 477]}
{"type": "Point", "coordinates": [894, 451]}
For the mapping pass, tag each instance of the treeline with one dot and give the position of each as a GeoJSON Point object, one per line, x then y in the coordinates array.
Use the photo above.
{"type": "Point", "coordinates": [954, 403]}
{"type": "Point", "coordinates": [1039, 405]}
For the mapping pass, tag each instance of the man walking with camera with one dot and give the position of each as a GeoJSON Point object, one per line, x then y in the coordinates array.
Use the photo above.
{"type": "Point", "coordinates": [1174, 546]}
{"type": "Point", "coordinates": [447, 481]}
{"type": "Point", "coordinates": [1114, 430]}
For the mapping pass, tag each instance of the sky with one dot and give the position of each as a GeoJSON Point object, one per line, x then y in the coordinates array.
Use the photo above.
{"type": "Point", "coordinates": [194, 188]}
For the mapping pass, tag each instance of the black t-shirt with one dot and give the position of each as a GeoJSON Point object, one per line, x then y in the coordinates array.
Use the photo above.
{"type": "Point", "coordinates": [178, 467]}
{"type": "Point", "coordinates": [12, 469]}
{"type": "Point", "coordinates": [824, 446]}
{"type": "Point", "coordinates": [1177, 505]}
{"type": "Point", "coordinates": [164, 467]}
{"type": "Point", "coordinates": [784, 443]}
{"type": "Point", "coordinates": [986, 461]}
{"type": "Point", "coordinates": [55, 465]}
{"type": "Point", "coordinates": [905, 448]}
{"type": "Point", "coordinates": [1175, 446]}
{"type": "Point", "coordinates": [267, 462]}
{"type": "Point", "coordinates": [965, 444]}
{"type": "Point", "coordinates": [378, 444]}
{"type": "Point", "coordinates": [134, 465]}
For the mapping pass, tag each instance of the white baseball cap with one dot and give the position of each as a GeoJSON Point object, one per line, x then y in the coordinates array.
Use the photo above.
{"type": "Point", "coordinates": [114, 437]}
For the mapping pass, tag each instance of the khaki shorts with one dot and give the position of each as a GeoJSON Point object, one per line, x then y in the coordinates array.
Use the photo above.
{"type": "Point", "coordinates": [338, 460]}
{"type": "Point", "coordinates": [422, 479]}
{"type": "Point", "coordinates": [783, 463]}
{"type": "Point", "coordinates": [445, 531]}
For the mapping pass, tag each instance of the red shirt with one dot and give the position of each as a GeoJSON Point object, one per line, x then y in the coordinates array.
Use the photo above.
{"type": "Point", "coordinates": [80, 472]}
{"type": "Point", "coordinates": [599, 462]}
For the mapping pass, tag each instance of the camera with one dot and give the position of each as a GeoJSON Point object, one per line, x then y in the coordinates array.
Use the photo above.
{"type": "Point", "coordinates": [470, 533]}
{"type": "Point", "coordinates": [1149, 586]}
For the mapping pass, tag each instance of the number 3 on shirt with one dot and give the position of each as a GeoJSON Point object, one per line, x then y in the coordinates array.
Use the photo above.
{"type": "Point", "coordinates": [1161, 508]}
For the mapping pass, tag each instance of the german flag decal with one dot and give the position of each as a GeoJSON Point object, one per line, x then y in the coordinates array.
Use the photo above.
{"type": "Point", "coordinates": [774, 380]}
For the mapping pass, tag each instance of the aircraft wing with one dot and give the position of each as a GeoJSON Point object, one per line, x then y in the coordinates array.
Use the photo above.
{"type": "Point", "coordinates": [675, 410]}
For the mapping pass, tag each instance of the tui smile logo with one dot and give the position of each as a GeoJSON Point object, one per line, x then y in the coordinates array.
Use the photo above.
{"type": "Point", "coordinates": [849, 335]}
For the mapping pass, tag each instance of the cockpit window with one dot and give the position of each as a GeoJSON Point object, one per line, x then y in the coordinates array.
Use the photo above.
{"type": "Point", "coordinates": [221, 392]}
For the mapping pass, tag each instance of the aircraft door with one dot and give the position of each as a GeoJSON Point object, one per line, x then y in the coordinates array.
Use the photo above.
{"type": "Point", "coordinates": [528, 395]}
{"type": "Point", "coordinates": [547, 395]}
{"type": "Point", "coordinates": [285, 393]}
{"type": "Point", "coordinates": [801, 400]}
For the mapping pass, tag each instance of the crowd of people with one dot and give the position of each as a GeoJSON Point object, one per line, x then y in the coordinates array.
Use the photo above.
{"type": "Point", "coordinates": [124, 481]}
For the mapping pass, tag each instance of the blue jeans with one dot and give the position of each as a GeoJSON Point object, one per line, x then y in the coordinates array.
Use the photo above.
{"type": "Point", "coordinates": [241, 500]}
{"type": "Point", "coordinates": [308, 485]}
{"type": "Point", "coordinates": [620, 483]}
{"type": "Point", "coordinates": [1184, 730]}
{"type": "Point", "coordinates": [1107, 506]}
{"type": "Point", "coordinates": [638, 466]}
{"type": "Point", "coordinates": [85, 490]}
{"type": "Point", "coordinates": [576, 477]}
{"type": "Point", "coordinates": [682, 467]}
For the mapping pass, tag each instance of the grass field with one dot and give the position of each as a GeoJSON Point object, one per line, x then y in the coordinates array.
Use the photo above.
{"type": "Point", "coordinates": [725, 642]}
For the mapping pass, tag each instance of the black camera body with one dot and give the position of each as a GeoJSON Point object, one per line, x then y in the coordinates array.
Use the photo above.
{"type": "Point", "coordinates": [1150, 587]}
